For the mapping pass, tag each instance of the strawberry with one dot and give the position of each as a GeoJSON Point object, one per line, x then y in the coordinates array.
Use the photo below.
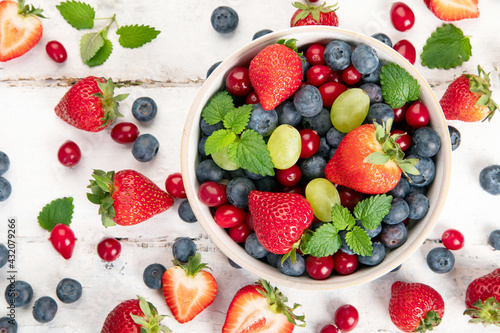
{"type": "Point", "coordinates": [127, 197]}
{"type": "Point", "coordinates": [453, 10]}
{"type": "Point", "coordinates": [482, 299]}
{"type": "Point", "coordinates": [260, 308]}
{"type": "Point", "coordinates": [468, 98]}
{"type": "Point", "coordinates": [369, 160]}
{"type": "Point", "coordinates": [276, 73]}
{"type": "Point", "coordinates": [20, 29]}
{"type": "Point", "coordinates": [415, 307]}
{"type": "Point", "coordinates": [279, 220]}
{"type": "Point", "coordinates": [134, 315]}
{"type": "Point", "coordinates": [187, 289]}
{"type": "Point", "coordinates": [307, 14]}
{"type": "Point", "coordinates": [90, 105]}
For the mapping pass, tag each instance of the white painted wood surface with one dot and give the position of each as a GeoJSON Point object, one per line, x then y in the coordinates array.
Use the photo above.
{"type": "Point", "coordinates": [173, 68]}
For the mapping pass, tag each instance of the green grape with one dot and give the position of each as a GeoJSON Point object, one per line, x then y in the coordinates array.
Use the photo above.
{"type": "Point", "coordinates": [322, 195]}
{"type": "Point", "coordinates": [350, 109]}
{"type": "Point", "coordinates": [221, 158]}
{"type": "Point", "coordinates": [284, 146]}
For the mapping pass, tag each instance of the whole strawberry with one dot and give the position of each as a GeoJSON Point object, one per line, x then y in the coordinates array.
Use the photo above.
{"type": "Point", "coordinates": [415, 307]}
{"type": "Point", "coordinates": [276, 73]}
{"type": "Point", "coordinates": [279, 219]}
{"type": "Point", "coordinates": [89, 105]}
{"type": "Point", "coordinates": [126, 197]}
{"type": "Point", "coordinates": [482, 299]}
{"type": "Point", "coordinates": [134, 315]}
{"type": "Point", "coordinates": [307, 14]}
{"type": "Point", "coordinates": [468, 98]}
{"type": "Point", "coordinates": [369, 160]}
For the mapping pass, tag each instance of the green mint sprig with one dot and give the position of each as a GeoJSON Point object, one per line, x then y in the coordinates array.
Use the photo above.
{"type": "Point", "coordinates": [57, 211]}
{"type": "Point", "coordinates": [326, 240]}
{"type": "Point", "coordinates": [446, 48]}
{"type": "Point", "coordinates": [245, 147]}
{"type": "Point", "coordinates": [96, 47]}
{"type": "Point", "coordinates": [398, 86]}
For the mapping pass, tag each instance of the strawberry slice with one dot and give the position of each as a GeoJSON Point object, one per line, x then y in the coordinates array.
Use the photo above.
{"type": "Point", "coordinates": [187, 289]}
{"type": "Point", "coordinates": [260, 308]}
{"type": "Point", "coordinates": [454, 10]}
{"type": "Point", "coordinates": [20, 29]}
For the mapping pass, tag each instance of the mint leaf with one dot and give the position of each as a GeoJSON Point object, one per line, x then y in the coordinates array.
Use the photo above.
{"type": "Point", "coordinates": [133, 36]}
{"type": "Point", "coordinates": [219, 140]}
{"type": "Point", "coordinates": [342, 218]}
{"type": "Point", "coordinates": [217, 108]}
{"type": "Point", "coordinates": [372, 210]}
{"type": "Point", "coordinates": [78, 14]}
{"type": "Point", "coordinates": [251, 153]}
{"type": "Point", "coordinates": [57, 211]}
{"type": "Point", "coordinates": [446, 48]}
{"type": "Point", "coordinates": [90, 44]}
{"type": "Point", "coordinates": [237, 119]}
{"type": "Point", "coordinates": [325, 241]}
{"type": "Point", "coordinates": [359, 241]}
{"type": "Point", "coordinates": [398, 86]}
{"type": "Point", "coordinates": [102, 54]}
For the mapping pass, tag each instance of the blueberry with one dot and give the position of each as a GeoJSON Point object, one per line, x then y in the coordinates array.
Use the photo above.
{"type": "Point", "coordinates": [263, 121]}
{"type": "Point", "coordinates": [233, 264]}
{"type": "Point", "coordinates": [261, 33]}
{"type": "Point", "coordinates": [334, 136]}
{"type": "Point", "coordinates": [324, 148]}
{"type": "Point", "coordinates": [18, 293]}
{"type": "Point", "coordinates": [320, 123]}
{"type": "Point", "coordinates": [401, 190]}
{"type": "Point", "coordinates": [374, 91]}
{"type": "Point", "coordinates": [426, 141]}
{"type": "Point", "coordinates": [308, 101]}
{"type": "Point", "coordinates": [397, 268]}
{"type": "Point", "coordinates": [252, 175]}
{"type": "Point", "coordinates": [393, 235]}
{"type": "Point", "coordinates": [144, 109]}
{"type": "Point", "coordinates": [254, 248]}
{"type": "Point", "coordinates": [379, 113]}
{"type": "Point", "coordinates": [5, 189]}
{"type": "Point", "coordinates": [208, 170]}
{"type": "Point", "coordinates": [378, 255]}
{"type": "Point", "coordinates": [455, 137]}
{"type": "Point", "coordinates": [201, 146]}
{"type": "Point", "coordinates": [4, 255]}
{"type": "Point", "coordinates": [418, 204]}
{"type": "Point", "coordinates": [426, 168]}
{"type": "Point", "coordinates": [224, 19]}
{"type": "Point", "coordinates": [313, 167]}
{"type": "Point", "coordinates": [44, 309]}
{"type": "Point", "coordinates": [69, 290]}
{"type": "Point", "coordinates": [272, 259]}
{"type": "Point", "coordinates": [183, 248]}
{"type": "Point", "coordinates": [383, 38]}
{"type": "Point", "coordinates": [8, 325]}
{"type": "Point", "coordinates": [266, 184]}
{"type": "Point", "coordinates": [185, 212]}
{"type": "Point", "coordinates": [212, 68]}
{"type": "Point", "coordinates": [344, 247]}
{"type": "Point", "coordinates": [440, 260]}
{"type": "Point", "coordinates": [365, 59]}
{"type": "Point", "coordinates": [489, 179]}
{"type": "Point", "coordinates": [208, 129]}
{"type": "Point", "coordinates": [370, 232]}
{"type": "Point", "coordinates": [4, 163]}
{"type": "Point", "coordinates": [152, 275]}
{"type": "Point", "coordinates": [399, 211]}
{"type": "Point", "coordinates": [373, 77]}
{"type": "Point", "coordinates": [332, 152]}
{"type": "Point", "coordinates": [305, 66]}
{"type": "Point", "coordinates": [417, 189]}
{"type": "Point", "coordinates": [292, 269]}
{"type": "Point", "coordinates": [237, 191]}
{"type": "Point", "coordinates": [145, 147]}
{"type": "Point", "coordinates": [494, 239]}
{"type": "Point", "coordinates": [236, 173]}
{"type": "Point", "coordinates": [337, 55]}
{"type": "Point", "coordinates": [288, 114]}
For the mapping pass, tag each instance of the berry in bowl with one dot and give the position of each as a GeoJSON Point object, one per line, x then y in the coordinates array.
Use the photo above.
{"type": "Point", "coordinates": [316, 157]}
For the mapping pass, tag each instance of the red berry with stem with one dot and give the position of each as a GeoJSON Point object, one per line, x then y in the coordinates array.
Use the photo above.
{"type": "Point", "coordinates": [346, 318]}
{"type": "Point", "coordinates": [109, 249]}
{"type": "Point", "coordinates": [175, 186]}
{"type": "Point", "coordinates": [344, 263]}
{"type": "Point", "coordinates": [63, 240]}
{"type": "Point", "coordinates": [290, 176]}
{"type": "Point", "coordinates": [407, 50]}
{"type": "Point", "coordinates": [56, 51]}
{"type": "Point", "coordinates": [453, 239]}
{"type": "Point", "coordinates": [310, 142]}
{"type": "Point", "coordinates": [238, 81]}
{"type": "Point", "coordinates": [402, 17]}
{"type": "Point", "coordinates": [319, 268]}
{"type": "Point", "coordinates": [227, 216]}
{"type": "Point", "coordinates": [124, 133]}
{"type": "Point", "coordinates": [417, 115]}
{"type": "Point", "coordinates": [69, 154]}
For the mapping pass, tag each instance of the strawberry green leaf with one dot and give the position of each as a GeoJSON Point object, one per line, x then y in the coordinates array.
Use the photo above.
{"type": "Point", "coordinates": [102, 54]}
{"type": "Point", "coordinates": [78, 14]}
{"type": "Point", "coordinates": [217, 108]}
{"type": "Point", "coordinates": [342, 218]}
{"type": "Point", "coordinates": [57, 211]}
{"type": "Point", "coordinates": [359, 241]}
{"type": "Point", "coordinates": [251, 153]}
{"type": "Point", "coordinates": [219, 140]}
{"type": "Point", "coordinates": [90, 44]}
{"type": "Point", "coordinates": [446, 48]}
{"type": "Point", "coordinates": [377, 158]}
{"type": "Point", "coordinates": [325, 241]}
{"type": "Point", "coordinates": [133, 36]}
{"type": "Point", "coordinates": [372, 210]}
{"type": "Point", "coordinates": [398, 86]}
{"type": "Point", "coordinates": [237, 119]}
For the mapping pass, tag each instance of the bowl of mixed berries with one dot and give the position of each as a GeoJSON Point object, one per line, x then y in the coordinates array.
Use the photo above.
{"type": "Point", "coordinates": [316, 157]}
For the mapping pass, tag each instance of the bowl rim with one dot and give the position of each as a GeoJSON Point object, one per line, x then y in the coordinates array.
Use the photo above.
{"type": "Point", "coordinates": [236, 253]}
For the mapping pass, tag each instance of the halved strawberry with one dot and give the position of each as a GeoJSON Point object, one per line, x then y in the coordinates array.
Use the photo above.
{"type": "Point", "coordinates": [260, 308]}
{"type": "Point", "coordinates": [187, 289]}
{"type": "Point", "coordinates": [454, 10]}
{"type": "Point", "coordinates": [20, 28]}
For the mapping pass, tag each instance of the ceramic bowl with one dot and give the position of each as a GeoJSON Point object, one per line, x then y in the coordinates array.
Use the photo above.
{"type": "Point", "coordinates": [307, 35]}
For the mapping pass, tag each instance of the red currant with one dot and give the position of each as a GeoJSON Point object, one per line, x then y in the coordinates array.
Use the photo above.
{"type": "Point", "coordinates": [124, 133]}
{"type": "Point", "coordinates": [346, 318]}
{"type": "Point", "coordinates": [252, 98]}
{"type": "Point", "coordinates": [399, 113]}
{"type": "Point", "coordinates": [407, 50]}
{"type": "Point", "coordinates": [344, 263]}
{"type": "Point", "coordinates": [63, 239]}
{"type": "Point", "coordinates": [249, 221]}
{"type": "Point", "coordinates": [404, 140]}
{"type": "Point", "coordinates": [227, 216]}
{"type": "Point", "coordinates": [238, 81]}
{"type": "Point", "coordinates": [329, 329]}
{"type": "Point", "coordinates": [240, 232]}
{"type": "Point", "coordinates": [310, 142]}
{"type": "Point", "coordinates": [453, 239]}
{"type": "Point", "coordinates": [319, 268]}
{"type": "Point", "coordinates": [350, 75]}
{"type": "Point", "coordinates": [402, 16]}
{"type": "Point", "coordinates": [212, 194]}
{"type": "Point", "coordinates": [290, 176]}
{"type": "Point", "coordinates": [318, 74]}
{"type": "Point", "coordinates": [330, 91]}
{"type": "Point", "coordinates": [349, 198]}
{"type": "Point", "coordinates": [69, 154]}
{"type": "Point", "coordinates": [293, 189]}
{"type": "Point", "coordinates": [314, 54]}
{"type": "Point", "coordinates": [335, 76]}
{"type": "Point", "coordinates": [109, 249]}
{"type": "Point", "coordinates": [56, 51]}
{"type": "Point", "coordinates": [175, 186]}
{"type": "Point", "coordinates": [417, 115]}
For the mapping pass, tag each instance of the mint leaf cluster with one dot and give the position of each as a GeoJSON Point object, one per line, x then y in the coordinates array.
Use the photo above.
{"type": "Point", "coordinates": [326, 240]}
{"type": "Point", "coordinates": [244, 147]}
{"type": "Point", "coordinates": [398, 86]}
{"type": "Point", "coordinates": [96, 47]}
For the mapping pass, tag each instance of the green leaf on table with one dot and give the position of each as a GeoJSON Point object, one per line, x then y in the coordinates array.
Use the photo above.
{"type": "Point", "coordinates": [446, 48]}
{"type": "Point", "coordinates": [57, 211]}
{"type": "Point", "coordinates": [90, 44]}
{"type": "Point", "coordinates": [325, 241]}
{"type": "Point", "coordinates": [217, 108]}
{"type": "Point", "coordinates": [359, 241]}
{"type": "Point", "coordinates": [342, 218]}
{"type": "Point", "coordinates": [237, 119]}
{"type": "Point", "coordinates": [132, 36]}
{"type": "Point", "coordinates": [102, 54]}
{"type": "Point", "coordinates": [78, 14]}
{"type": "Point", "coordinates": [219, 140]}
{"type": "Point", "coordinates": [398, 86]}
{"type": "Point", "coordinates": [251, 153]}
{"type": "Point", "coordinates": [372, 210]}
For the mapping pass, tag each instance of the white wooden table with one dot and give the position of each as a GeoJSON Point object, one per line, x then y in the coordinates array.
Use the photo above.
{"type": "Point", "coordinates": [172, 69]}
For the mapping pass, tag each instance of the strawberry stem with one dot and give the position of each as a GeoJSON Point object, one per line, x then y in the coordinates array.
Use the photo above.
{"type": "Point", "coordinates": [486, 313]}
{"type": "Point", "coordinates": [431, 320]}
{"type": "Point", "coordinates": [193, 266]}
{"type": "Point", "coordinates": [27, 10]}
{"type": "Point", "coordinates": [150, 322]}
{"type": "Point", "coordinates": [101, 188]}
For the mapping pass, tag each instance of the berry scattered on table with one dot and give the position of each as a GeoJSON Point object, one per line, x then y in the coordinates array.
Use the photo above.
{"type": "Point", "coordinates": [18, 293]}
{"type": "Point", "coordinates": [329, 329]}
{"type": "Point", "coordinates": [453, 239]}
{"type": "Point", "coordinates": [224, 19]}
{"type": "Point", "coordinates": [494, 239]}
{"type": "Point", "coordinates": [145, 147]}
{"type": "Point", "coordinates": [56, 51]}
{"type": "Point", "coordinates": [455, 137]}
{"type": "Point", "coordinates": [69, 154]}
{"type": "Point", "coordinates": [8, 325]}
{"type": "Point", "coordinates": [383, 38]}
{"type": "Point", "coordinates": [406, 49]}
{"type": "Point", "coordinates": [186, 212]}
{"type": "Point", "coordinates": [4, 255]}
{"type": "Point", "coordinates": [153, 274]}
{"type": "Point", "coordinates": [5, 189]}
{"type": "Point", "coordinates": [63, 240]}
{"type": "Point", "coordinates": [212, 68]}
{"type": "Point", "coordinates": [440, 260]}
{"type": "Point", "coordinates": [44, 309]}
{"type": "Point", "coordinates": [489, 179]}
{"type": "Point", "coordinates": [175, 186]}
{"type": "Point", "coordinates": [261, 33]}
{"type": "Point", "coordinates": [4, 163]}
{"type": "Point", "coordinates": [109, 249]}
{"type": "Point", "coordinates": [69, 290]}
{"type": "Point", "coordinates": [402, 17]}
{"type": "Point", "coordinates": [482, 299]}
{"type": "Point", "coordinates": [346, 318]}
{"type": "Point", "coordinates": [124, 132]}
{"type": "Point", "coordinates": [144, 109]}
{"type": "Point", "coordinates": [183, 248]}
